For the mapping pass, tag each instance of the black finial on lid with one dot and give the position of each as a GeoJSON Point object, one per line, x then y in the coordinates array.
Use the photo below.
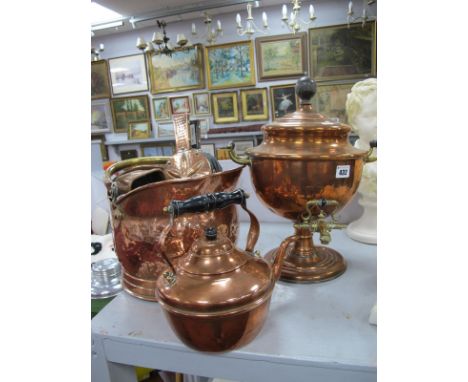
{"type": "Point", "coordinates": [305, 89]}
{"type": "Point", "coordinates": [211, 233]}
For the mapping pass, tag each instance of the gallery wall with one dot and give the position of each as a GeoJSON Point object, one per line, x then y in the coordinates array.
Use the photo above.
{"type": "Point", "coordinates": [329, 12]}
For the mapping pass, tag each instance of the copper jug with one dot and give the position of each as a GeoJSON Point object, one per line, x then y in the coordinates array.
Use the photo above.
{"type": "Point", "coordinates": [306, 170]}
{"type": "Point", "coordinates": [216, 297]}
{"type": "Point", "coordinates": [140, 188]}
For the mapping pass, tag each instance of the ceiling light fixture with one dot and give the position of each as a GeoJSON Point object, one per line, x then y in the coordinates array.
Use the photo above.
{"type": "Point", "coordinates": [364, 17]}
{"type": "Point", "coordinates": [250, 26]}
{"type": "Point", "coordinates": [294, 21]}
{"type": "Point", "coordinates": [211, 33]}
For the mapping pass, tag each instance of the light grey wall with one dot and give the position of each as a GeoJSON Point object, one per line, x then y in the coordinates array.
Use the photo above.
{"type": "Point", "coordinates": [328, 12]}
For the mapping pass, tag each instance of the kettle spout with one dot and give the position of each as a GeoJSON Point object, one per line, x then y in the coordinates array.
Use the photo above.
{"type": "Point", "coordinates": [280, 254]}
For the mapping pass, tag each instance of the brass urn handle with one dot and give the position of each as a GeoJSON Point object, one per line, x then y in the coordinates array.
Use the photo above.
{"type": "Point", "coordinates": [369, 158]}
{"type": "Point", "coordinates": [236, 158]}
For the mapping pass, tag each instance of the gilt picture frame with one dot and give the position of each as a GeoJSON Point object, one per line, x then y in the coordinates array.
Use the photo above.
{"type": "Point", "coordinates": [184, 70]}
{"type": "Point", "coordinates": [254, 103]}
{"type": "Point", "coordinates": [201, 103]}
{"type": "Point", "coordinates": [180, 104]}
{"type": "Point", "coordinates": [139, 130]}
{"type": "Point", "coordinates": [129, 109]}
{"type": "Point", "coordinates": [100, 85]}
{"type": "Point", "coordinates": [339, 52]}
{"type": "Point", "coordinates": [230, 65]}
{"type": "Point", "coordinates": [101, 116]}
{"type": "Point", "coordinates": [225, 107]}
{"type": "Point", "coordinates": [161, 109]}
{"type": "Point", "coordinates": [281, 57]}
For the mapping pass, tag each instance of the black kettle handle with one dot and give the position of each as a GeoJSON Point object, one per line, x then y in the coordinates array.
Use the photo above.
{"type": "Point", "coordinates": [206, 202]}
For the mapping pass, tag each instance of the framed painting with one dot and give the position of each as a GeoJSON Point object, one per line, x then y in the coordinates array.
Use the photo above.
{"type": "Point", "coordinates": [241, 146]}
{"type": "Point", "coordinates": [100, 87]}
{"type": "Point", "coordinates": [254, 103]}
{"type": "Point", "coordinates": [225, 107]}
{"type": "Point", "coordinates": [281, 57]}
{"type": "Point", "coordinates": [129, 109]}
{"type": "Point", "coordinates": [283, 100]}
{"type": "Point", "coordinates": [230, 65]}
{"type": "Point", "coordinates": [209, 148]}
{"type": "Point", "coordinates": [101, 117]}
{"type": "Point", "coordinates": [161, 110]}
{"type": "Point", "coordinates": [180, 104]}
{"type": "Point", "coordinates": [128, 74]}
{"type": "Point", "coordinates": [166, 130]}
{"type": "Point", "coordinates": [182, 71]}
{"type": "Point", "coordinates": [342, 53]}
{"type": "Point", "coordinates": [201, 103]}
{"type": "Point", "coordinates": [330, 100]}
{"type": "Point", "coordinates": [139, 130]}
{"type": "Point", "coordinates": [128, 154]}
{"type": "Point", "coordinates": [164, 149]}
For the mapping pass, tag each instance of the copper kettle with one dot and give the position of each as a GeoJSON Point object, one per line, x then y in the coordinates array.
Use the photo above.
{"type": "Point", "coordinates": [216, 297]}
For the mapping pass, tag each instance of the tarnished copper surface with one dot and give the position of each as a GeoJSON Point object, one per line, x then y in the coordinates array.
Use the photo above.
{"type": "Point", "coordinates": [296, 163]}
{"type": "Point", "coordinates": [138, 221]}
{"type": "Point", "coordinates": [216, 296]}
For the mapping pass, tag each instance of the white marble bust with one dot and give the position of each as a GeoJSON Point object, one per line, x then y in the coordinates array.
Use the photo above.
{"type": "Point", "coordinates": [361, 107]}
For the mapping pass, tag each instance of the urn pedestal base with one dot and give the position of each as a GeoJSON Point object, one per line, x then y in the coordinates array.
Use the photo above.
{"type": "Point", "coordinates": [321, 264]}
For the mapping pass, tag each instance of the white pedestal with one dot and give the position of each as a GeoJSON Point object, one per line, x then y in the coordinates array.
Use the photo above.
{"type": "Point", "coordinates": [364, 229]}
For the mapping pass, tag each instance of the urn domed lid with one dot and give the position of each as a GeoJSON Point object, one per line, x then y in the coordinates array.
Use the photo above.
{"type": "Point", "coordinates": [306, 134]}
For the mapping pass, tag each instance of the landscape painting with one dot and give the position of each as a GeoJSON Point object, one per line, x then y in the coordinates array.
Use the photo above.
{"type": "Point", "coordinates": [161, 109]}
{"type": "Point", "coordinates": [225, 107]}
{"type": "Point", "coordinates": [128, 74]}
{"type": "Point", "coordinates": [139, 130]}
{"type": "Point", "coordinates": [338, 52]}
{"type": "Point", "coordinates": [330, 100]}
{"type": "Point", "coordinates": [101, 120]}
{"type": "Point", "coordinates": [230, 65]}
{"type": "Point", "coordinates": [181, 71]}
{"type": "Point", "coordinates": [254, 104]}
{"type": "Point", "coordinates": [129, 109]}
{"type": "Point", "coordinates": [281, 57]}
{"type": "Point", "coordinates": [100, 87]}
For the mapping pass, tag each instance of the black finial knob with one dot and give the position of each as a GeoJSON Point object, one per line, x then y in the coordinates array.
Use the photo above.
{"type": "Point", "coordinates": [373, 143]}
{"type": "Point", "coordinates": [211, 233]}
{"type": "Point", "coordinates": [305, 89]}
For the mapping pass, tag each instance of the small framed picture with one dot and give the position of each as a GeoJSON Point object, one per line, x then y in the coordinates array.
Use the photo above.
{"type": "Point", "coordinates": [101, 117]}
{"type": "Point", "coordinates": [283, 100]}
{"type": "Point", "coordinates": [161, 109]}
{"type": "Point", "coordinates": [254, 104]}
{"type": "Point", "coordinates": [225, 107]}
{"type": "Point", "coordinates": [166, 130]}
{"type": "Point", "coordinates": [222, 153]}
{"type": "Point", "coordinates": [241, 146]}
{"type": "Point", "coordinates": [204, 125]}
{"type": "Point", "coordinates": [128, 74]}
{"type": "Point", "coordinates": [208, 148]}
{"type": "Point", "coordinates": [201, 103]}
{"type": "Point", "coordinates": [180, 104]}
{"type": "Point", "coordinates": [128, 154]}
{"type": "Point", "coordinates": [157, 150]}
{"type": "Point", "coordinates": [139, 130]}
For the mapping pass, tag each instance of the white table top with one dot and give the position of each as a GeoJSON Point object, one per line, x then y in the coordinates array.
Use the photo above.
{"type": "Point", "coordinates": [321, 325]}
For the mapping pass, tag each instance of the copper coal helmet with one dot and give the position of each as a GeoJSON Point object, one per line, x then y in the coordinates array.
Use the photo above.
{"type": "Point", "coordinates": [216, 297]}
{"type": "Point", "coordinates": [140, 188]}
{"type": "Point", "coordinates": [306, 170]}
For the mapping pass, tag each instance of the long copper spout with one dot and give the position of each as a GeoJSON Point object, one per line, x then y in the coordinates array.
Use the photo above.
{"type": "Point", "coordinates": [278, 262]}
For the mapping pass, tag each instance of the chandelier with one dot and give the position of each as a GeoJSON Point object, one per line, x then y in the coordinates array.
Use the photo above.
{"type": "Point", "coordinates": [294, 22]}
{"type": "Point", "coordinates": [96, 52]}
{"type": "Point", "coordinates": [211, 33]}
{"type": "Point", "coordinates": [163, 46]}
{"type": "Point", "coordinates": [363, 17]}
{"type": "Point", "coordinates": [250, 26]}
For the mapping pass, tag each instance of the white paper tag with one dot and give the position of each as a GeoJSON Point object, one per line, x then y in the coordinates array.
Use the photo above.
{"type": "Point", "coordinates": [343, 171]}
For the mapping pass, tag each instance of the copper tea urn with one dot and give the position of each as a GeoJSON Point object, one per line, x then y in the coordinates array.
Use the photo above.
{"type": "Point", "coordinates": [216, 297]}
{"type": "Point", "coordinates": [306, 170]}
